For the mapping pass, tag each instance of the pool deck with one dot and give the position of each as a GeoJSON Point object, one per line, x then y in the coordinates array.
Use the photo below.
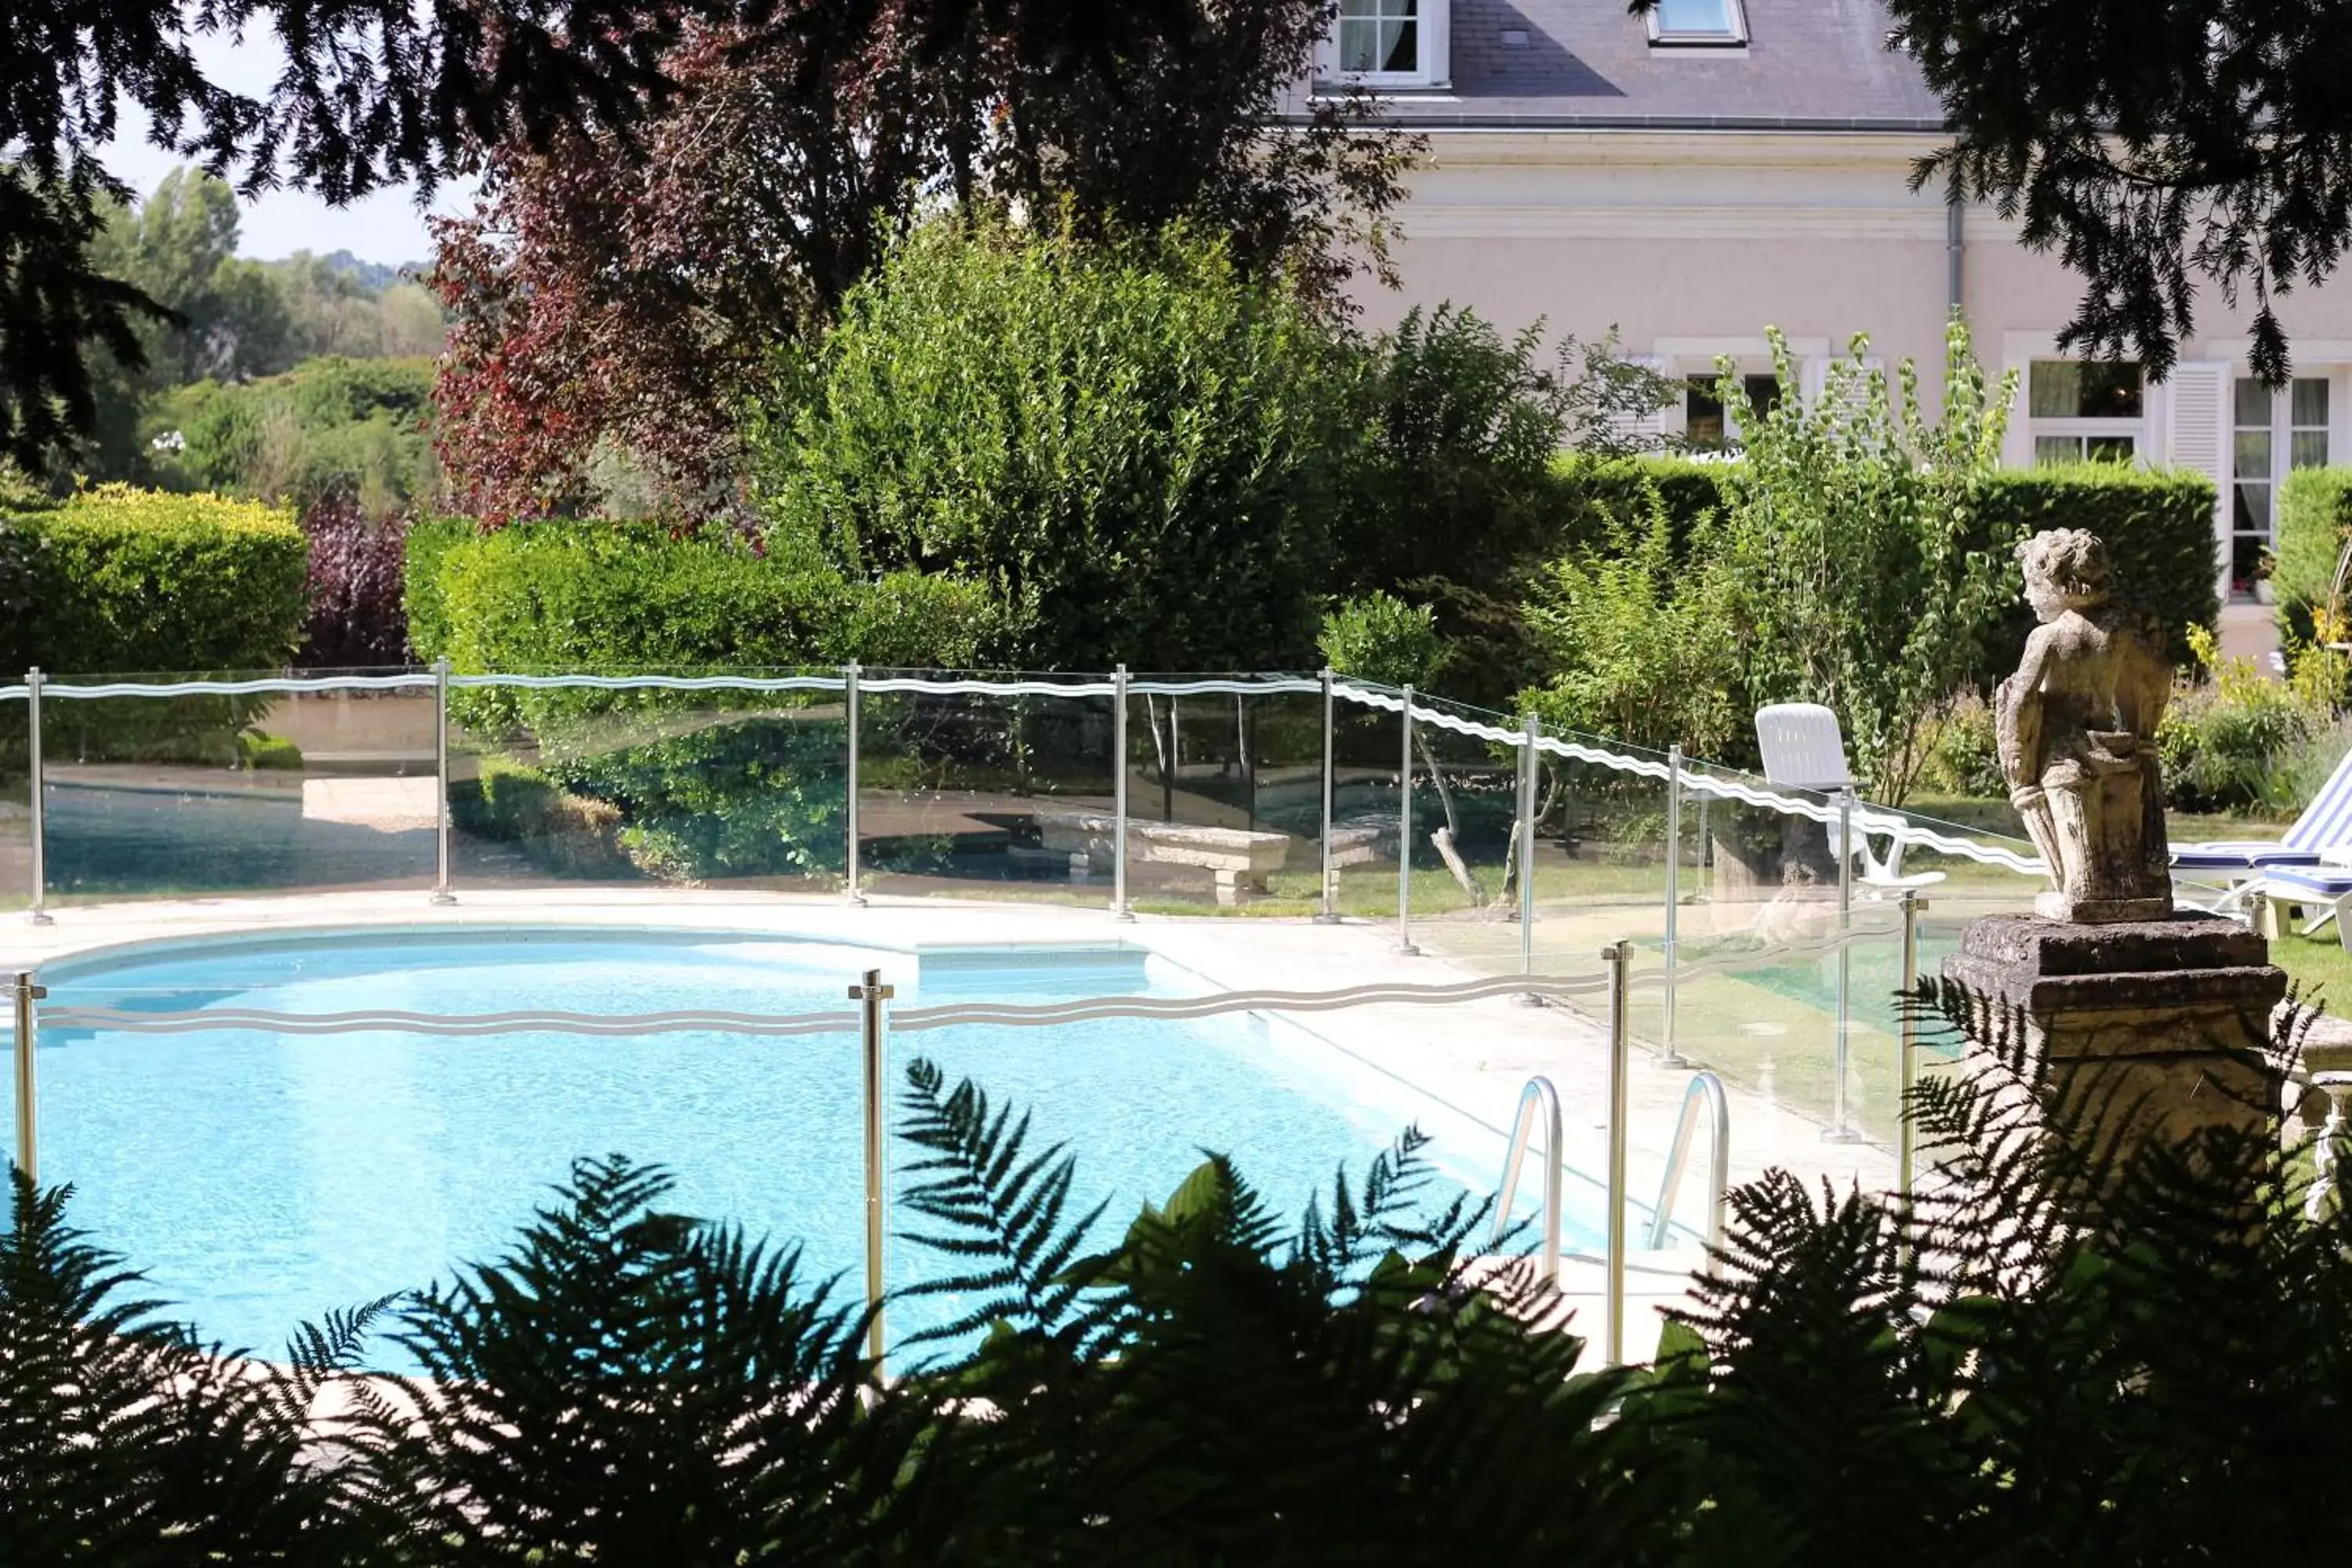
{"type": "Point", "coordinates": [1456, 1069]}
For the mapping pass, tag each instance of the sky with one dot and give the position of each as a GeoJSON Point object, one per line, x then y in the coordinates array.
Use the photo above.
{"type": "Point", "coordinates": [386, 227]}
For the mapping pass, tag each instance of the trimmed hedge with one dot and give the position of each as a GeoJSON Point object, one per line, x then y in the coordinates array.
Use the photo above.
{"type": "Point", "coordinates": [2158, 527]}
{"type": "Point", "coordinates": [2315, 512]}
{"type": "Point", "coordinates": [637, 595]}
{"type": "Point", "coordinates": [123, 580]}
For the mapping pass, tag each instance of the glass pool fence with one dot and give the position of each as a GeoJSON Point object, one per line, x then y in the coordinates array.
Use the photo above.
{"type": "Point", "coordinates": [1760, 921]}
{"type": "Point", "coordinates": [1651, 1202]}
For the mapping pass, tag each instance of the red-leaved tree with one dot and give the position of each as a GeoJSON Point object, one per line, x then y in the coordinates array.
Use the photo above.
{"type": "Point", "coordinates": [623, 291]}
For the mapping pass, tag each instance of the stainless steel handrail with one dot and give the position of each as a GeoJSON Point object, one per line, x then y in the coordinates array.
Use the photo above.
{"type": "Point", "coordinates": [1706, 1089]}
{"type": "Point", "coordinates": [1538, 1092]}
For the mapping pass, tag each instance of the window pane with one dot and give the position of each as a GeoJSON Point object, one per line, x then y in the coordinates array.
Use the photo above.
{"type": "Point", "coordinates": [2110, 391]}
{"type": "Point", "coordinates": [1763, 392]}
{"type": "Point", "coordinates": [2075, 389]}
{"type": "Point", "coordinates": [2110, 449]}
{"type": "Point", "coordinates": [2253, 511]}
{"type": "Point", "coordinates": [1702, 415]}
{"type": "Point", "coordinates": [1400, 46]}
{"type": "Point", "coordinates": [2049, 450]}
{"type": "Point", "coordinates": [2245, 552]}
{"type": "Point", "coordinates": [2310, 400]}
{"type": "Point", "coordinates": [2054, 390]}
{"type": "Point", "coordinates": [1356, 38]}
{"type": "Point", "coordinates": [2307, 450]}
{"type": "Point", "coordinates": [2254, 454]}
{"type": "Point", "coordinates": [1695, 17]}
{"type": "Point", "coordinates": [2253, 403]}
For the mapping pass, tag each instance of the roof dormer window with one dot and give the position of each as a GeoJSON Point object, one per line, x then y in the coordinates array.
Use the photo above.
{"type": "Point", "coordinates": [1704, 23]}
{"type": "Point", "coordinates": [1388, 43]}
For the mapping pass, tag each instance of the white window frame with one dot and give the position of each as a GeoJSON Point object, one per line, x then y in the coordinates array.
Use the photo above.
{"type": "Point", "coordinates": [2133, 428]}
{"type": "Point", "coordinates": [1735, 39]}
{"type": "Point", "coordinates": [2282, 430]}
{"type": "Point", "coordinates": [1432, 39]}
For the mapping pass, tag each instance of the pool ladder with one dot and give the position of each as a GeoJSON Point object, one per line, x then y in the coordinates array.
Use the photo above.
{"type": "Point", "coordinates": [1540, 1098]}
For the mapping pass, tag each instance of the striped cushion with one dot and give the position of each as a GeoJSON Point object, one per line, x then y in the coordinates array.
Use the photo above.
{"type": "Point", "coordinates": [2248, 856]}
{"type": "Point", "coordinates": [2326, 882]}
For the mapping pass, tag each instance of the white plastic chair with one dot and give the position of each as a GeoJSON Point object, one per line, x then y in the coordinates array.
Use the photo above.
{"type": "Point", "coordinates": [1803, 749]}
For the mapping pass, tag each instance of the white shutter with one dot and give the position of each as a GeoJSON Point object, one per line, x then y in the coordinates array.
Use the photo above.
{"type": "Point", "coordinates": [2197, 436]}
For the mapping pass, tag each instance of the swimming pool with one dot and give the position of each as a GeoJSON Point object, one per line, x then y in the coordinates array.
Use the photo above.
{"type": "Point", "coordinates": [261, 1180]}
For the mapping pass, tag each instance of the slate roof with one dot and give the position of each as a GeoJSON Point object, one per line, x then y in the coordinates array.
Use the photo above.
{"type": "Point", "coordinates": [1809, 64]}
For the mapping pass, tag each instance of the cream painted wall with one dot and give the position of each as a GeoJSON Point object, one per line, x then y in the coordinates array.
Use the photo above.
{"type": "Point", "coordinates": [1681, 237]}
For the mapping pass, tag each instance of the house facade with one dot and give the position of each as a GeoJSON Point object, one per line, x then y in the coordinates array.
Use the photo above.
{"type": "Point", "coordinates": [1722, 165]}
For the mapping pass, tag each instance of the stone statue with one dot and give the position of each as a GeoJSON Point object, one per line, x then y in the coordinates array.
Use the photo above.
{"type": "Point", "coordinates": [2077, 730]}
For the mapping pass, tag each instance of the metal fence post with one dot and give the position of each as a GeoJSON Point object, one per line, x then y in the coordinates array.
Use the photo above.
{"type": "Point", "coordinates": [1673, 953]}
{"type": "Point", "coordinates": [1618, 955]}
{"type": "Point", "coordinates": [1842, 1128]}
{"type": "Point", "coordinates": [849, 704]}
{"type": "Point", "coordinates": [1118, 795]}
{"type": "Point", "coordinates": [1331, 904]}
{"type": "Point", "coordinates": [39, 806]}
{"type": "Point", "coordinates": [1906, 1058]}
{"type": "Point", "coordinates": [1530, 765]}
{"type": "Point", "coordinates": [27, 1140]}
{"type": "Point", "coordinates": [873, 993]}
{"type": "Point", "coordinates": [441, 894]}
{"type": "Point", "coordinates": [1404, 837]}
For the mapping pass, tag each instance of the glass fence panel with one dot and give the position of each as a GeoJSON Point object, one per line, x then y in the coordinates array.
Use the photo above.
{"type": "Point", "coordinates": [1464, 801]}
{"type": "Point", "coordinates": [730, 787]}
{"type": "Point", "coordinates": [1368, 753]}
{"type": "Point", "coordinates": [16, 804]}
{"type": "Point", "coordinates": [198, 794]}
{"type": "Point", "coordinates": [984, 795]}
{"type": "Point", "coordinates": [1600, 860]}
{"type": "Point", "coordinates": [1242, 762]}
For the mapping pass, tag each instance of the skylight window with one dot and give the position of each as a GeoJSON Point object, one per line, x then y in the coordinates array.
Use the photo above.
{"type": "Point", "coordinates": [1700, 22]}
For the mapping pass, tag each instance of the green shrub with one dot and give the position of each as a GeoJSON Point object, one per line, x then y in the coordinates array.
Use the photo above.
{"type": "Point", "coordinates": [138, 580]}
{"type": "Point", "coordinates": [428, 539]}
{"type": "Point", "coordinates": [267, 753]}
{"type": "Point", "coordinates": [765, 797]}
{"type": "Point", "coordinates": [2158, 529]}
{"type": "Point", "coordinates": [509, 802]}
{"type": "Point", "coordinates": [1634, 639]}
{"type": "Point", "coordinates": [2315, 516]}
{"type": "Point", "coordinates": [329, 428]}
{"type": "Point", "coordinates": [1130, 444]}
{"type": "Point", "coordinates": [1380, 637]}
{"type": "Point", "coordinates": [2237, 741]}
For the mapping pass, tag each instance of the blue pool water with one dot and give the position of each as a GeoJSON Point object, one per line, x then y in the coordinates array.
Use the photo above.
{"type": "Point", "coordinates": [261, 1180]}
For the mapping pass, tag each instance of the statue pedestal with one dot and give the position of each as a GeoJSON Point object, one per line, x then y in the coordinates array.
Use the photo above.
{"type": "Point", "coordinates": [2171, 1017]}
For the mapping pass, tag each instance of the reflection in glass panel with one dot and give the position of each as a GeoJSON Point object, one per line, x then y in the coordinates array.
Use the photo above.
{"type": "Point", "coordinates": [2253, 403]}
{"type": "Point", "coordinates": [2307, 450]}
{"type": "Point", "coordinates": [2050, 451]}
{"type": "Point", "coordinates": [2110, 449]}
{"type": "Point", "coordinates": [2309, 401]}
{"type": "Point", "coordinates": [2253, 453]}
